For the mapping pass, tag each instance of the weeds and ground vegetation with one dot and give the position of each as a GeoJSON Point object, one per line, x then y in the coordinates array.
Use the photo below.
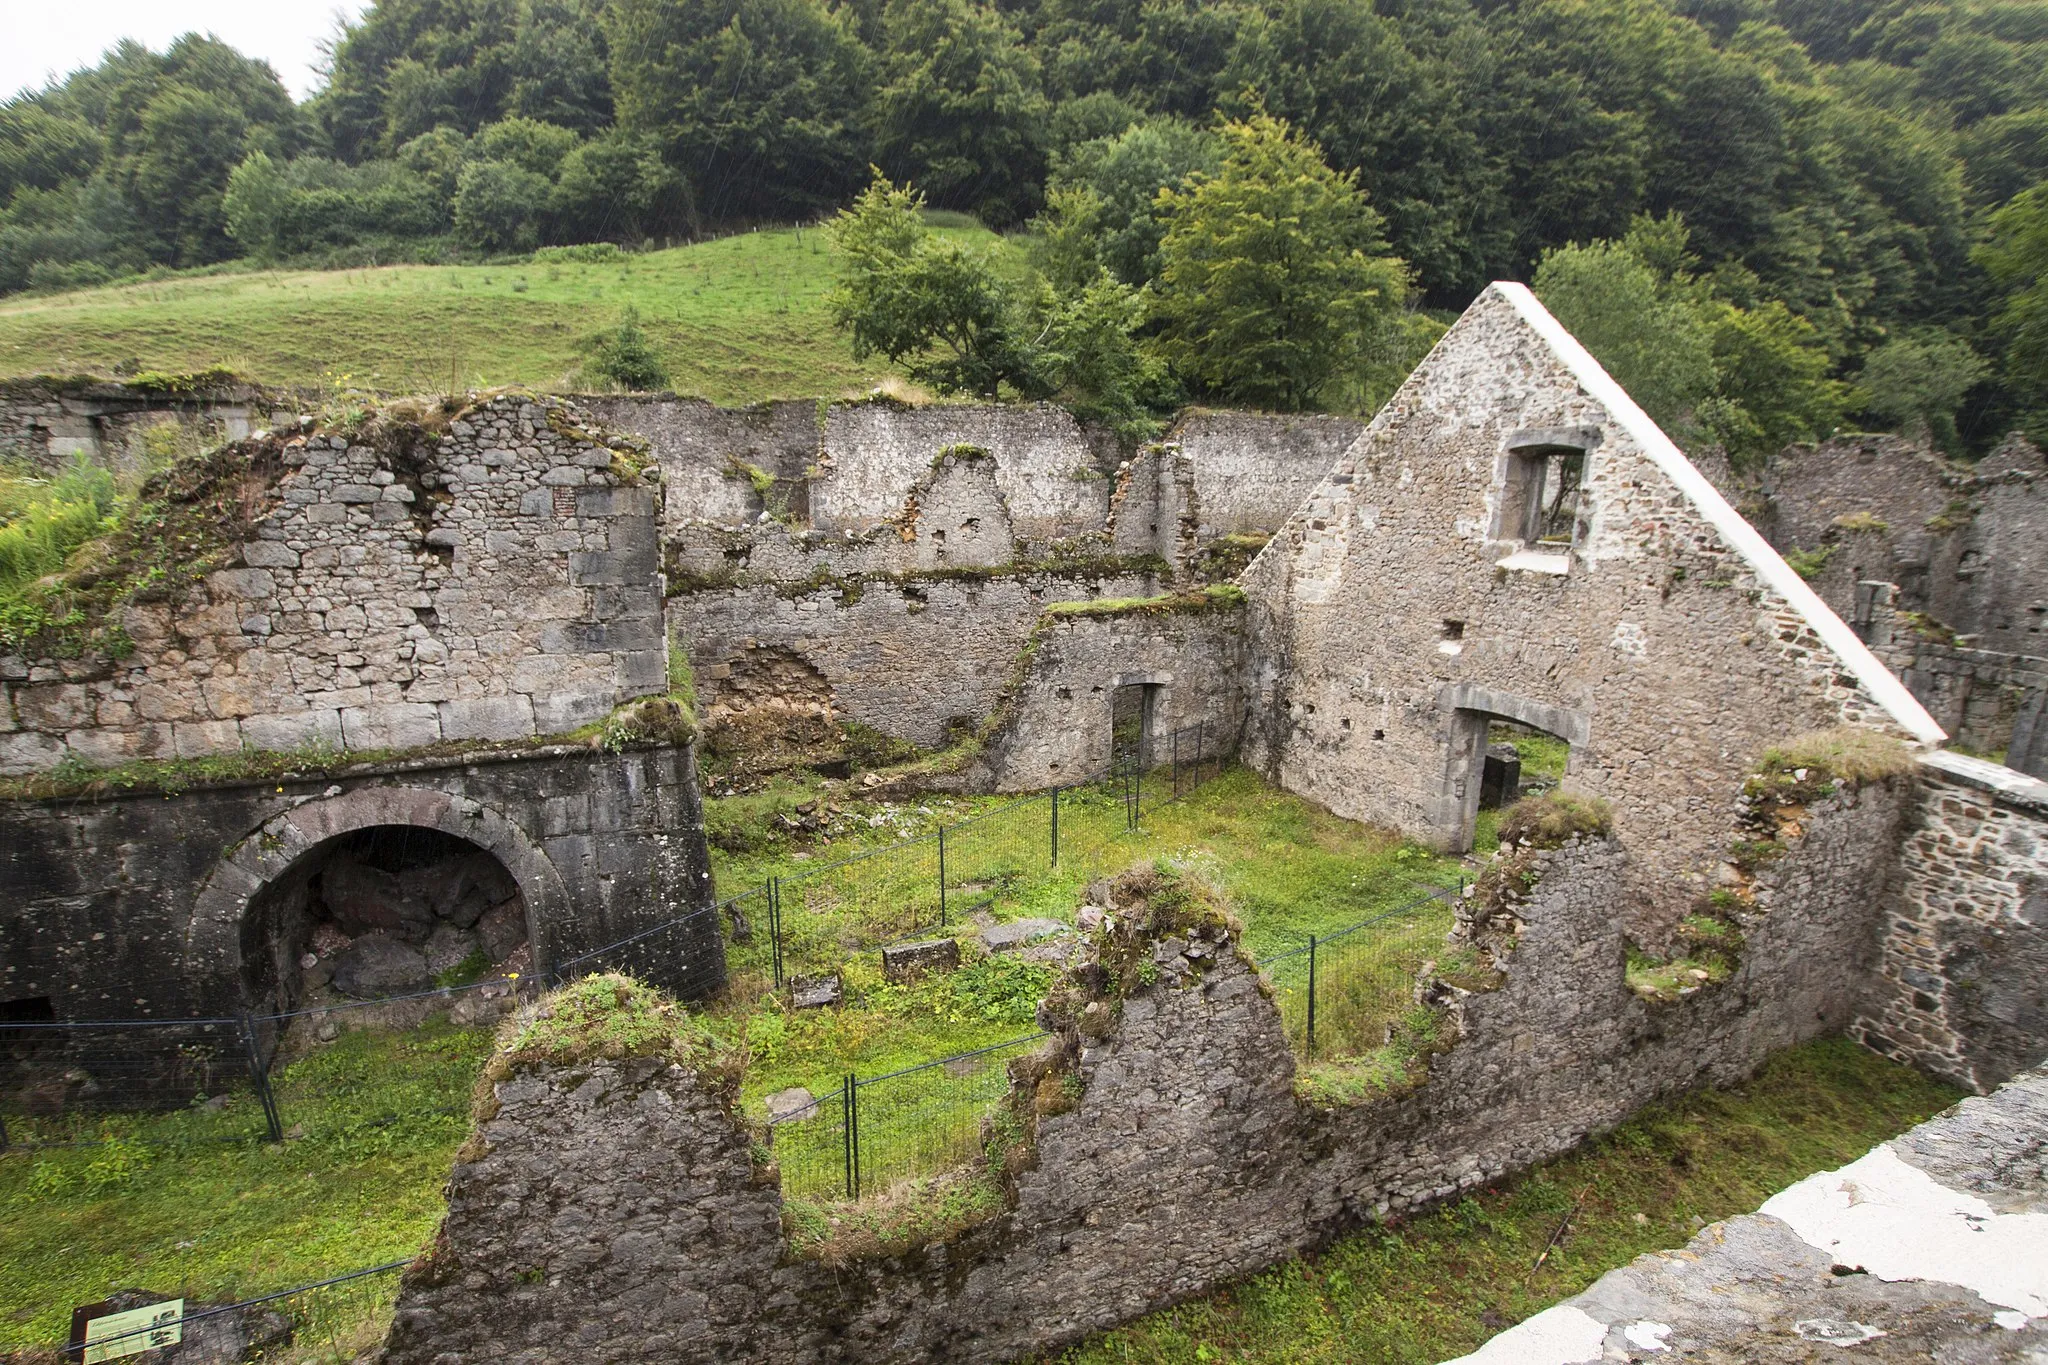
{"type": "Point", "coordinates": [1436, 1286]}
{"type": "Point", "coordinates": [189, 1203]}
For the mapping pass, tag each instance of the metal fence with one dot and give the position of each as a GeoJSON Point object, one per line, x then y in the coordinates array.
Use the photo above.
{"type": "Point", "coordinates": [1340, 993]}
{"type": "Point", "coordinates": [251, 1076]}
{"type": "Point", "coordinates": [915, 886]}
{"type": "Point", "coordinates": [872, 1133]}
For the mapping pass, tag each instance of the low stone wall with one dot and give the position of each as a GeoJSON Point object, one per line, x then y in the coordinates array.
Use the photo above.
{"type": "Point", "coordinates": [618, 1209]}
{"type": "Point", "coordinates": [1963, 987]}
{"type": "Point", "coordinates": [133, 906]}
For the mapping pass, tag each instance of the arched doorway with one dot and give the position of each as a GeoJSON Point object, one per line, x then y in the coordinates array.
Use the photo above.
{"type": "Point", "coordinates": [1484, 723]}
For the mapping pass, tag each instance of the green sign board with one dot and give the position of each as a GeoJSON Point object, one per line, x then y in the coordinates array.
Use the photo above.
{"type": "Point", "coordinates": [110, 1336]}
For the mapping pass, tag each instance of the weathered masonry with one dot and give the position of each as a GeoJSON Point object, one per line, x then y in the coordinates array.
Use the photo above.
{"type": "Point", "coordinates": [150, 906]}
{"type": "Point", "coordinates": [417, 611]}
{"type": "Point", "coordinates": [1513, 539]}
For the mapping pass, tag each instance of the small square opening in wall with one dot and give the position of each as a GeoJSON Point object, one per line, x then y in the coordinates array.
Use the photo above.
{"type": "Point", "coordinates": [1542, 494]}
{"type": "Point", "coordinates": [1379, 734]}
{"type": "Point", "coordinates": [1454, 630]}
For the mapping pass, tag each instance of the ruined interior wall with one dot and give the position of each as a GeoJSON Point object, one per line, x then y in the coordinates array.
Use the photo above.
{"type": "Point", "coordinates": [47, 424]}
{"type": "Point", "coordinates": [1188, 1162]}
{"type": "Point", "coordinates": [1682, 662]}
{"type": "Point", "coordinates": [1048, 464]}
{"type": "Point", "coordinates": [501, 583]}
{"type": "Point", "coordinates": [914, 659]}
{"type": "Point", "coordinates": [1963, 986]}
{"type": "Point", "coordinates": [703, 450]}
{"type": "Point", "coordinates": [1059, 730]}
{"type": "Point", "coordinates": [1989, 702]}
{"type": "Point", "coordinates": [1250, 466]}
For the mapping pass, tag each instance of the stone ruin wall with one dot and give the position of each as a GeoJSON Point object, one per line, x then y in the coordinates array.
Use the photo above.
{"type": "Point", "coordinates": [1382, 609]}
{"type": "Point", "coordinates": [1058, 730]}
{"type": "Point", "coordinates": [1989, 702]}
{"type": "Point", "coordinates": [46, 423]}
{"type": "Point", "coordinates": [905, 554]}
{"type": "Point", "coordinates": [1963, 986]}
{"type": "Point", "coordinates": [617, 1204]}
{"type": "Point", "coordinates": [1966, 547]}
{"type": "Point", "coordinates": [132, 906]}
{"type": "Point", "coordinates": [500, 583]}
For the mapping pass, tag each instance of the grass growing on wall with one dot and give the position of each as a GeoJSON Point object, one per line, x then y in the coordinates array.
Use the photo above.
{"type": "Point", "coordinates": [735, 320]}
{"type": "Point", "coordinates": [1441, 1284]}
{"type": "Point", "coordinates": [169, 1206]}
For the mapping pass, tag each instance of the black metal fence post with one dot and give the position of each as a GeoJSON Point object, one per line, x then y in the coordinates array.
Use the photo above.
{"type": "Point", "coordinates": [775, 928]}
{"type": "Point", "coordinates": [851, 1114]}
{"type": "Point", "coordinates": [1055, 826]}
{"type": "Point", "coordinates": [942, 876]}
{"type": "Point", "coordinates": [259, 1076]}
{"type": "Point", "coordinates": [1201, 730]}
{"type": "Point", "coordinates": [1311, 995]}
{"type": "Point", "coordinates": [1176, 765]}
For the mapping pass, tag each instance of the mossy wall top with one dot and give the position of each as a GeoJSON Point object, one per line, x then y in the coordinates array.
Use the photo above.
{"type": "Point", "coordinates": [396, 587]}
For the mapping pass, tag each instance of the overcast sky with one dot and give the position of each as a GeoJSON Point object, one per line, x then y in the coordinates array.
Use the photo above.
{"type": "Point", "coordinates": [41, 38]}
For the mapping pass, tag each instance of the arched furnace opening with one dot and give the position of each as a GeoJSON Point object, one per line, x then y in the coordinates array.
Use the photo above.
{"type": "Point", "coordinates": [382, 911]}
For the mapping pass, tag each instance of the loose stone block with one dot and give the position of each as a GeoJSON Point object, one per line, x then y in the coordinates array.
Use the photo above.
{"type": "Point", "coordinates": [909, 961]}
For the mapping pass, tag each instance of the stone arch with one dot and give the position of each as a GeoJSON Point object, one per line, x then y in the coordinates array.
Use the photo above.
{"type": "Point", "coordinates": [270, 851]}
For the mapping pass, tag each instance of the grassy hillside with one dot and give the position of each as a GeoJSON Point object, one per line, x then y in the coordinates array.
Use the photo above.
{"type": "Point", "coordinates": [735, 320]}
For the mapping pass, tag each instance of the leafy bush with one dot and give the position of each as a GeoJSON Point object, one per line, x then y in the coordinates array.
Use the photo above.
{"type": "Point", "coordinates": [42, 524]}
{"type": "Point", "coordinates": [624, 356]}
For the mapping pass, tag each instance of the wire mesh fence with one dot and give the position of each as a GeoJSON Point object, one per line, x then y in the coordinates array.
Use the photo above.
{"type": "Point", "coordinates": [921, 885]}
{"type": "Point", "coordinates": [1341, 993]}
{"type": "Point", "coordinates": [259, 1077]}
{"type": "Point", "coordinates": [874, 1133]}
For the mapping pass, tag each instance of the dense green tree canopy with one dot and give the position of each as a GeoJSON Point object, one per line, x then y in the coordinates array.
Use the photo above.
{"type": "Point", "coordinates": [1865, 166]}
{"type": "Point", "coordinates": [1273, 275]}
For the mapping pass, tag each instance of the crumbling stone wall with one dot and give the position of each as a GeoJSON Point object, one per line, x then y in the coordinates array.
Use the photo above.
{"type": "Point", "coordinates": [1250, 465]}
{"type": "Point", "coordinates": [918, 659]}
{"type": "Point", "coordinates": [1155, 509]}
{"type": "Point", "coordinates": [704, 451]}
{"type": "Point", "coordinates": [501, 581]}
{"type": "Point", "coordinates": [1989, 701]}
{"type": "Point", "coordinates": [1963, 987]}
{"type": "Point", "coordinates": [1058, 729]}
{"type": "Point", "coordinates": [1187, 1162]}
{"type": "Point", "coordinates": [1046, 463]}
{"type": "Point", "coordinates": [1393, 607]}
{"type": "Point", "coordinates": [47, 422]}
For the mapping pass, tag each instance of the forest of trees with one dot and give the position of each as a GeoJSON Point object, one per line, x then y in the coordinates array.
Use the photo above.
{"type": "Point", "coordinates": [1832, 207]}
